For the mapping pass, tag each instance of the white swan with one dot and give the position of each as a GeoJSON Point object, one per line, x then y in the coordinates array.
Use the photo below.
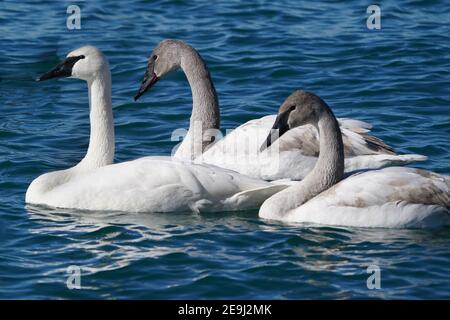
{"type": "Point", "coordinates": [239, 150]}
{"type": "Point", "coordinates": [390, 197]}
{"type": "Point", "coordinates": [149, 184]}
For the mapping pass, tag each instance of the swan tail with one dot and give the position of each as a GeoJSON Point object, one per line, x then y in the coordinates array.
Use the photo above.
{"type": "Point", "coordinates": [377, 145]}
{"type": "Point", "coordinates": [380, 161]}
{"type": "Point", "coordinates": [284, 182]}
{"type": "Point", "coordinates": [253, 198]}
{"type": "Point", "coordinates": [404, 159]}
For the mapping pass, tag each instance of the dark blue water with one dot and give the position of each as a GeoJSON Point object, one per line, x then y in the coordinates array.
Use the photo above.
{"type": "Point", "coordinates": [397, 78]}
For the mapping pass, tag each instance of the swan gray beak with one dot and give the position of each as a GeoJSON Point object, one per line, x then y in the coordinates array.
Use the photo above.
{"type": "Point", "coordinates": [62, 69]}
{"type": "Point", "coordinates": [279, 128]}
{"type": "Point", "coordinates": [147, 83]}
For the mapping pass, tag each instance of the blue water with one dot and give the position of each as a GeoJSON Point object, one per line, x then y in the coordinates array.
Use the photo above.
{"type": "Point", "coordinates": [397, 78]}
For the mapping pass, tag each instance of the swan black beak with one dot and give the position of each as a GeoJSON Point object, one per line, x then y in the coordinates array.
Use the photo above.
{"type": "Point", "coordinates": [147, 83]}
{"type": "Point", "coordinates": [62, 69]}
{"type": "Point", "coordinates": [279, 128]}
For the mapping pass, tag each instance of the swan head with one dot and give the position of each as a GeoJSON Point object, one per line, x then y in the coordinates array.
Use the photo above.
{"type": "Point", "coordinates": [300, 108]}
{"type": "Point", "coordinates": [83, 63]}
{"type": "Point", "coordinates": [165, 57]}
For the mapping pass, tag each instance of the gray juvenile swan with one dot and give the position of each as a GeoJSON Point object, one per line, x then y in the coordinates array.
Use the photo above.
{"type": "Point", "coordinates": [149, 184]}
{"type": "Point", "coordinates": [239, 150]}
{"type": "Point", "coordinates": [391, 197]}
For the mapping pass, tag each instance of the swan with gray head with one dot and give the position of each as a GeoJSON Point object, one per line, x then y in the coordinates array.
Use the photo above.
{"type": "Point", "coordinates": [394, 197]}
{"type": "Point", "coordinates": [149, 184]}
{"type": "Point", "coordinates": [297, 150]}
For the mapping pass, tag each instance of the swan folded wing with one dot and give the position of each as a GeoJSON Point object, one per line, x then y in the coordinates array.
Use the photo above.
{"type": "Point", "coordinates": [239, 151]}
{"type": "Point", "coordinates": [253, 198]}
{"type": "Point", "coordinates": [378, 161]}
{"type": "Point", "coordinates": [391, 197]}
{"type": "Point", "coordinates": [247, 139]}
{"type": "Point", "coordinates": [354, 125]}
{"type": "Point", "coordinates": [152, 185]}
{"type": "Point", "coordinates": [298, 150]}
{"type": "Point", "coordinates": [134, 186]}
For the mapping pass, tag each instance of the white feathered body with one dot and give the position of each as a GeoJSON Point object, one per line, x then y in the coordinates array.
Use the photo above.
{"type": "Point", "coordinates": [150, 184]}
{"type": "Point", "coordinates": [394, 197]}
{"type": "Point", "coordinates": [294, 154]}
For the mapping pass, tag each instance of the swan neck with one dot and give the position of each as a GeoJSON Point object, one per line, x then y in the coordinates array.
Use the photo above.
{"type": "Point", "coordinates": [329, 168]}
{"type": "Point", "coordinates": [205, 117]}
{"type": "Point", "coordinates": [330, 164]}
{"type": "Point", "coordinates": [101, 142]}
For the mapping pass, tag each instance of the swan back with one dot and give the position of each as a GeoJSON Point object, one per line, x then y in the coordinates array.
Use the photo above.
{"type": "Point", "coordinates": [158, 184]}
{"type": "Point", "coordinates": [391, 197]}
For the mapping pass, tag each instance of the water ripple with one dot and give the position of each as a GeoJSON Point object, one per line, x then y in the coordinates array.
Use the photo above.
{"type": "Point", "coordinates": [397, 79]}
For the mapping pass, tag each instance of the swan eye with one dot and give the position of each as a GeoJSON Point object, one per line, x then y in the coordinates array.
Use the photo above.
{"type": "Point", "coordinates": [155, 57]}
{"type": "Point", "coordinates": [292, 108]}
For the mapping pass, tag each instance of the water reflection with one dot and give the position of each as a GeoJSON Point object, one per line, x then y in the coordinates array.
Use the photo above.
{"type": "Point", "coordinates": [333, 260]}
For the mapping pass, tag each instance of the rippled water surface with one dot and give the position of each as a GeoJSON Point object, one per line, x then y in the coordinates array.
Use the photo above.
{"type": "Point", "coordinates": [396, 78]}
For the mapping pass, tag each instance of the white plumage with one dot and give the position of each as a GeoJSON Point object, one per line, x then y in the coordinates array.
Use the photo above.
{"type": "Point", "coordinates": [295, 153]}
{"type": "Point", "coordinates": [392, 197]}
{"type": "Point", "coordinates": [239, 150]}
{"type": "Point", "coordinates": [150, 184]}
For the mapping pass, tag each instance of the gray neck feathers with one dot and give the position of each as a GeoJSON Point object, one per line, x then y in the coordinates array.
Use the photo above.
{"type": "Point", "coordinates": [328, 170]}
{"type": "Point", "coordinates": [205, 117]}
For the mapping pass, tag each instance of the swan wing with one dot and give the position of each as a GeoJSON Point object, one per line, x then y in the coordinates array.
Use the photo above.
{"type": "Point", "coordinates": [157, 184]}
{"type": "Point", "coordinates": [391, 197]}
{"type": "Point", "coordinates": [298, 150]}
{"type": "Point", "coordinates": [253, 198]}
